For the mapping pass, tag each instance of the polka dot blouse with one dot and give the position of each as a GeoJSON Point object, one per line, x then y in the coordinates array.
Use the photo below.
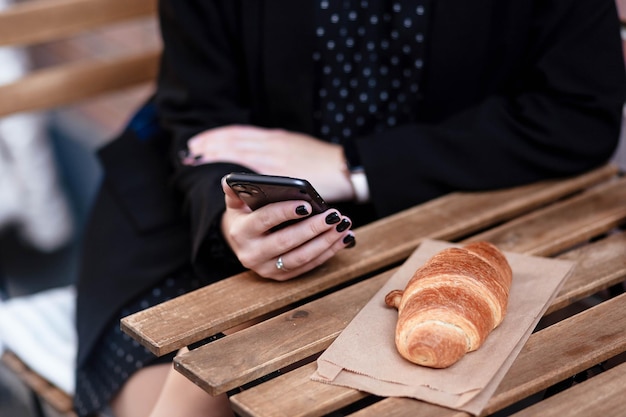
{"type": "Point", "coordinates": [369, 60]}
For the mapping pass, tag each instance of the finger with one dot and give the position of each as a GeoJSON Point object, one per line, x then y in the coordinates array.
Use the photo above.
{"type": "Point", "coordinates": [308, 230]}
{"type": "Point", "coordinates": [309, 255]}
{"type": "Point", "coordinates": [318, 250]}
{"type": "Point", "coordinates": [272, 216]}
{"type": "Point", "coordinates": [287, 271]}
{"type": "Point", "coordinates": [232, 199]}
{"type": "Point", "coordinates": [258, 226]}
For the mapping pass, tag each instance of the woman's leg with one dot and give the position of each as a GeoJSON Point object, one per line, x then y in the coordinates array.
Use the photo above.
{"type": "Point", "coordinates": [181, 398]}
{"type": "Point", "coordinates": [160, 391]}
{"type": "Point", "coordinates": [141, 392]}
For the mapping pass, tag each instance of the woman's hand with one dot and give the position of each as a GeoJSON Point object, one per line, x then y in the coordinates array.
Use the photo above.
{"type": "Point", "coordinates": [276, 152]}
{"type": "Point", "coordinates": [300, 247]}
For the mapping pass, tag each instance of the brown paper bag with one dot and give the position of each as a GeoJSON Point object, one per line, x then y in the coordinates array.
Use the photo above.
{"type": "Point", "coordinates": [364, 355]}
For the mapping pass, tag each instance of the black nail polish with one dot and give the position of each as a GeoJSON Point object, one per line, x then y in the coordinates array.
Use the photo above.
{"type": "Point", "coordinates": [333, 218]}
{"type": "Point", "coordinates": [349, 241]}
{"type": "Point", "coordinates": [301, 211]}
{"type": "Point", "coordinates": [344, 225]}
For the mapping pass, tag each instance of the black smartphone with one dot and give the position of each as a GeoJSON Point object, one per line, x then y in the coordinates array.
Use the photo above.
{"type": "Point", "coordinates": [257, 190]}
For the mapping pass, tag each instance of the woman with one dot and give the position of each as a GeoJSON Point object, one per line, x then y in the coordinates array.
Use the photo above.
{"type": "Point", "coordinates": [380, 104]}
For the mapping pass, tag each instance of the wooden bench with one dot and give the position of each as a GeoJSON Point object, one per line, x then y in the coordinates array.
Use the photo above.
{"type": "Point", "coordinates": [38, 22]}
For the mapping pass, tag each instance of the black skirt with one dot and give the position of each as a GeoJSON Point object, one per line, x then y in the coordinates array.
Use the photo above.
{"type": "Point", "coordinates": [117, 355]}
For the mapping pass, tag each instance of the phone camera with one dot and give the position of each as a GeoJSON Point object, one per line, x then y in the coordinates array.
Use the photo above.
{"type": "Point", "coordinates": [246, 190]}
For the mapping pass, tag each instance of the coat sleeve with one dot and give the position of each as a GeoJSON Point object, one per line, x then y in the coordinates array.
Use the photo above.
{"type": "Point", "coordinates": [200, 86]}
{"type": "Point", "coordinates": [559, 117]}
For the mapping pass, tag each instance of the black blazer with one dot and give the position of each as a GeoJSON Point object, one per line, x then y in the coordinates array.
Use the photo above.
{"type": "Point", "coordinates": [513, 91]}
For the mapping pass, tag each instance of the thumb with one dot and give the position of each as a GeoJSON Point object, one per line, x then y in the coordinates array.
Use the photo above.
{"type": "Point", "coordinates": [232, 199]}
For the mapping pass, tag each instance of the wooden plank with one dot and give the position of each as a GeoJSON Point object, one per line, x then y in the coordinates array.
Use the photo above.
{"type": "Point", "coordinates": [604, 268]}
{"type": "Point", "coordinates": [604, 260]}
{"type": "Point", "coordinates": [602, 395]}
{"type": "Point", "coordinates": [294, 394]}
{"type": "Point", "coordinates": [549, 356]}
{"type": "Point", "coordinates": [57, 398]}
{"type": "Point", "coordinates": [565, 224]}
{"type": "Point", "coordinates": [280, 341]}
{"type": "Point", "coordinates": [167, 327]}
{"type": "Point", "coordinates": [34, 21]}
{"type": "Point", "coordinates": [66, 84]}
{"type": "Point", "coordinates": [563, 350]}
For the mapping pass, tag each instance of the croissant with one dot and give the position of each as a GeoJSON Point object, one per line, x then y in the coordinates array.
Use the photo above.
{"type": "Point", "coordinates": [451, 304]}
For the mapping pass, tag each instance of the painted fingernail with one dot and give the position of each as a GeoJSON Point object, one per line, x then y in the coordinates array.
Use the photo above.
{"type": "Point", "coordinates": [333, 218]}
{"type": "Point", "coordinates": [301, 211]}
{"type": "Point", "coordinates": [349, 241]}
{"type": "Point", "coordinates": [344, 225]}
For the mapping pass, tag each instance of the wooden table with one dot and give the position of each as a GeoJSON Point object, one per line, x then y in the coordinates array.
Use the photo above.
{"type": "Point", "coordinates": [267, 366]}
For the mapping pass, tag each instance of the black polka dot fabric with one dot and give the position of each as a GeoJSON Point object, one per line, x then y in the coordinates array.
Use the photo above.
{"type": "Point", "coordinates": [369, 60]}
{"type": "Point", "coordinates": [118, 356]}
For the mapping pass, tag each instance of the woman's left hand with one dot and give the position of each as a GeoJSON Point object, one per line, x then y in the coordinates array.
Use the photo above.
{"type": "Point", "coordinates": [276, 152]}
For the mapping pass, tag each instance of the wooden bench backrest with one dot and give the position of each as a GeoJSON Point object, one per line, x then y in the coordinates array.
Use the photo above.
{"type": "Point", "coordinates": [32, 22]}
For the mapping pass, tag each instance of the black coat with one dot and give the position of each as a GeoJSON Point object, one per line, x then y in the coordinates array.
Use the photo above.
{"type": "Point", "coordinates": [513, 91]}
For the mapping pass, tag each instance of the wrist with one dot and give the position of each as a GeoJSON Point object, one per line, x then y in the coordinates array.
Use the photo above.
{"type": "Point", "coordinates": [358, 180]}
{"type": "Point", "coordinates": [356, 172]}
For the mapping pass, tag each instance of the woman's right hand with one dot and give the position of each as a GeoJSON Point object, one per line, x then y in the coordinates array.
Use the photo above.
{"type": "Point", "coordinates": [301, 246]}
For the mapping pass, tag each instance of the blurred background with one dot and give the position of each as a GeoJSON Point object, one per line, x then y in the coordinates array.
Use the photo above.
{"type": "Point", "coordinates": [40, 227]}
{"type": "Point", "coordinates": [41, 224]}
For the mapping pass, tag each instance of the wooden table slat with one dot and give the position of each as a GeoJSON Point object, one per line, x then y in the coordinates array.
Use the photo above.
{"type": "Point", "coordinates": [562, 225]}
{"type": "Point", "coordinates": [280, 341]}
{"type": "Point", "coordinates": [549, 356]}
{"type": "Point", "coordinates": [604, 260]}
{"type": "Point", "coordinates": [227, 303]}
{"type": "Point", "coordinates": [602, 395]}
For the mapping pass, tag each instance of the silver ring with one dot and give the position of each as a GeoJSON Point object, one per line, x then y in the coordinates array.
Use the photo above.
{"type": "Point", "coordinates": [279, 264]}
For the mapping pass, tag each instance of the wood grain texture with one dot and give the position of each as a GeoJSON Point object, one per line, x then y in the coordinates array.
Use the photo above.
{"type": "Point", "coordinates": [562, 225]}
{"type": "Point", "coordinates": [602, 395]}
{"type": "Point", "coordinates": [35, 21]}
{"type": "Point", "coordinates": [278, 342]}
{"type": "Point", "coordinates": [549, 356]}
{"type": "Point", "coordinates": [192, 317]}
{"type": "Point", "coordinates": [603, 260]}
